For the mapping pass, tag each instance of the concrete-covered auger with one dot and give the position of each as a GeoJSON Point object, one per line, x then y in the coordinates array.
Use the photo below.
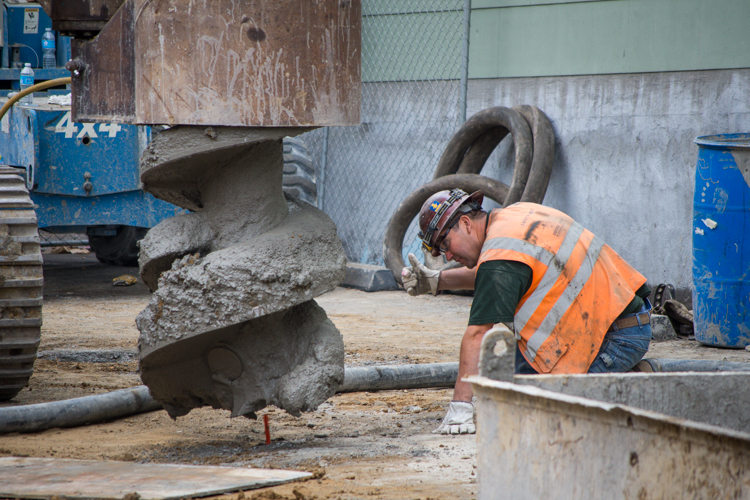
{"type": "Point", "coordinates": [232, 322]}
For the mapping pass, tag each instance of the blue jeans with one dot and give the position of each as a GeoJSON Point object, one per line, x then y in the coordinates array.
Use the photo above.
{"type": "Point", "coordinates": [621, 350]}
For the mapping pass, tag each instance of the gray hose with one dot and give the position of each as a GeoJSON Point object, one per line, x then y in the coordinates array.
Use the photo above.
{"type": "Point", "coordinates": [392, 377]}
{"type": "Point", "coordinates": [78, 411]}
{"type": "Point", "coordinates": [126, 402]}
{"type": "Point", "coordinates": [696, 365]}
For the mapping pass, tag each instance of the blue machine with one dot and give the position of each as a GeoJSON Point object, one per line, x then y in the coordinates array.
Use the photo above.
{"type": "Point", "coordinates": [23, 26]}
{"type": "Point", "coordinates": [83, 177]}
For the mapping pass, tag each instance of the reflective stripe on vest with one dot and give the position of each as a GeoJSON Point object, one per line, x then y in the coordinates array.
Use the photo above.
{"type": "Point", "coordinates": [579, 285]}
{"type": "Point", "coordinates": [550, 277]}
{"type": "Point", "coordinates": [555, 264]}
{"type": "Point", "coordinates": [566, 299]}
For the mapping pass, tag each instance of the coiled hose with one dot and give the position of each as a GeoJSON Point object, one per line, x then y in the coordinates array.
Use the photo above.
{"type": "Point", "coordinates": [463, 160]}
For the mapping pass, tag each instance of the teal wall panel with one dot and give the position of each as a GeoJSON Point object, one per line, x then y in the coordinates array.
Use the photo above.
{"type": "Point", "coordinates": [483, 4]}
{"type": "Point", "coordinates": [556, 38]}
{"type": "Point", "coordinates": [380, 7]}
{"type": "Point", "coordinates": [406, 40]}
{"type": "Point", "coordinates": [411, 40]}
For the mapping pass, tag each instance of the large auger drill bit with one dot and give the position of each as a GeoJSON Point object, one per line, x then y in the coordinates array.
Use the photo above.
{"type": "Point", "coordinates": [232, 322]}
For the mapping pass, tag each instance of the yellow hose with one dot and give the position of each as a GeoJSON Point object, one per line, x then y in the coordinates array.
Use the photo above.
{"type": "Point", "coordinates": [33, 88]}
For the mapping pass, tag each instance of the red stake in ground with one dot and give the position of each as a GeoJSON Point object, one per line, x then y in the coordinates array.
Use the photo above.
{"type": "Point", "coordinates": [268, 431]}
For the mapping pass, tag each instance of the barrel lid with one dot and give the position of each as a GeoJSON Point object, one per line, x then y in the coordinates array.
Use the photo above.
{"type": "Point", "coordinates": [724, 141]}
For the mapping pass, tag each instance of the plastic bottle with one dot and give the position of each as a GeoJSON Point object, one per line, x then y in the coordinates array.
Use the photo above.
{"type": "Point", "coordinates": [48, 47]}
{"type": "Point", "coordinates": [27, 80]}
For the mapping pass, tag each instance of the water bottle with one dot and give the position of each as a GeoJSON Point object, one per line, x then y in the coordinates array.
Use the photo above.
{"type": "Point", "coordinates": [27, 80]}
{"type": "Point", "coordinates": [48, 47]}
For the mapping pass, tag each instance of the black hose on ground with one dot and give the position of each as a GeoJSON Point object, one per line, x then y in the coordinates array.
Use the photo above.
{"type": "Point", "coordinates": [78, 411]}
{"type": "Point", "coordinates": [126, 402]}
{"type": "Point", "coordinates": [394, 377]}
{"type": "Point", "coordinates": [465, 156]}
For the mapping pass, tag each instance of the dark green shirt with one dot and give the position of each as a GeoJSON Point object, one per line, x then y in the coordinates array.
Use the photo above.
{"type": "Point", "coordinates": [499, 286]}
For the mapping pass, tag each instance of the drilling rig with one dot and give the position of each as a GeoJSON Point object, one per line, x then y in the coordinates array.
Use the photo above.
{"type": "Point", "coordinates": [232, 322]}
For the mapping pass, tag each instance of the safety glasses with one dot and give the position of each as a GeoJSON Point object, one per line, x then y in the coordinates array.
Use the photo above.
{"type": "Point", "coordinates": [442, 245]}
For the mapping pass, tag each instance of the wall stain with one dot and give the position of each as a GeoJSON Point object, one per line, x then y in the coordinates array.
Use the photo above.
{"type": "Point", "coordinates": [256, 34]}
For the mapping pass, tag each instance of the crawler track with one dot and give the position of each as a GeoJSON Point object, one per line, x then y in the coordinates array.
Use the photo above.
{"type": "Point", "coordinates": [20, 284]}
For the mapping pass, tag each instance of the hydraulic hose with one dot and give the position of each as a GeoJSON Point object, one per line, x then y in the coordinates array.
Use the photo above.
{"type": "Point", "coordinates": [78, 411]}
{"type": "Point", "coordinates": [34, 88]}
{"type": "Point", "coordinates": [696, 365]}
{"type": "Point", "coordinates": [126, 402]}
{"type": "Point", "coordinates": [463, 159]}
{"type": "Point", "coordinates": [393, 377]}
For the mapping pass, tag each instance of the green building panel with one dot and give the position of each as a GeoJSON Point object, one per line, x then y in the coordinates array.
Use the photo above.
{"type": "Point", "coordinates": [381, 7]}
{"type": "Point", "coordinates": [406, 40]}
{"type": "Point", "coordinates": [412, 40]}
{"type": "Point", "coordinates": [513, 38]}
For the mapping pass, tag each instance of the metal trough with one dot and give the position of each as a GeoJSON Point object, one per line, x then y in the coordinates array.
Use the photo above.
{"type": "Point", "coordinates": [663, 435]}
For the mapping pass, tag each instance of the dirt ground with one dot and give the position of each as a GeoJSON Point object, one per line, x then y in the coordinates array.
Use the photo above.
{"type": "Point", "coordinates": [359, 445]}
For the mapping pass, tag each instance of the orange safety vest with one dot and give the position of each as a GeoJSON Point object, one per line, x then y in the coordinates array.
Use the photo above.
{"type": "Point", "coordinates": [579, 285]}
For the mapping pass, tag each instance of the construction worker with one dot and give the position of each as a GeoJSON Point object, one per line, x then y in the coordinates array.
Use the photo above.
{"type": "Point", "coordinates": [574, 305]}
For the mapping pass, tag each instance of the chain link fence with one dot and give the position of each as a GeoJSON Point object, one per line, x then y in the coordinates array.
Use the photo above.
{"type": "Point", "coordinates": [48, 239]}
{"type": "Point", "coordinates": [412, 57]}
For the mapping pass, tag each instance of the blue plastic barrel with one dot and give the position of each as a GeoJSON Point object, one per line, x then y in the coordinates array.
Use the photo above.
{"type": "Point", "coordinates": [721, 241]}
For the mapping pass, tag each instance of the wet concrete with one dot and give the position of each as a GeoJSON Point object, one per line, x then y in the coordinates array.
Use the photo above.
{"type": "Point", "coordinates": [232, 323]}
{"type": "Point", "coordinates": [89, 355]}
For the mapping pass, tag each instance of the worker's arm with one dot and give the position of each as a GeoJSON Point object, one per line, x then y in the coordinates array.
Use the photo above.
{"type": "Point", "coordinates": [461, 278]}
{"type": "Point", "coordinates": [468, 361]}
{"type": "Point", "coordinates": [459, 419]}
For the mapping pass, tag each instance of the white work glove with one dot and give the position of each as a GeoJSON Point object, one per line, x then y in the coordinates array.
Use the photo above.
{"type": "Point", "coordinates": [458, 420]}
{"type": "Point", "coordinates": [418, 279]}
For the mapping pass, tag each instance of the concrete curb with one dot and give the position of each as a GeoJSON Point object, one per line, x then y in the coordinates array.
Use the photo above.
{"type": "Point", "coordinates": [661, 328]}
{"type": "Point", "coordinates": [368, 278]}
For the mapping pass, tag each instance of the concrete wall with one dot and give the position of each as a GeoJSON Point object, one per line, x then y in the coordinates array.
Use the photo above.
{"type": "Point", "coordinates": [625, 158]}
{"type": "Point", "coordinates": [719, 399]}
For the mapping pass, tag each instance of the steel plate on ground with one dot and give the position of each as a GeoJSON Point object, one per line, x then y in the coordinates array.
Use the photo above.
{"type": "Point", "coordinates": [48, 477]}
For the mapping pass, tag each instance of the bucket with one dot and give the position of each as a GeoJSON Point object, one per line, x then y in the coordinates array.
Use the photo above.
{"type": "Point", "coordinates": [721, 241]}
